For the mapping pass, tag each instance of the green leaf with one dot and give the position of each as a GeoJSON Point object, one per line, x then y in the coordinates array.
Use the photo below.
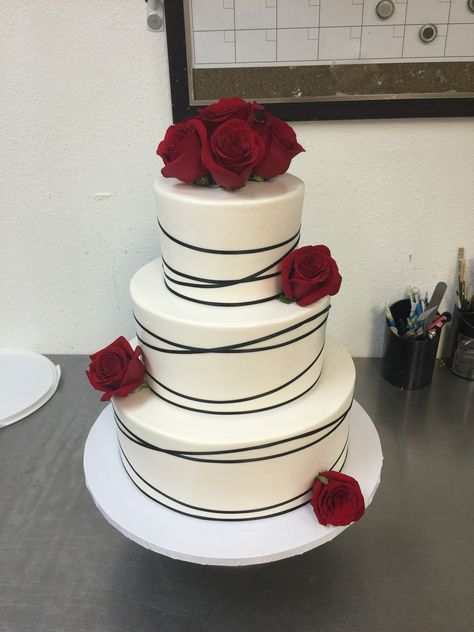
{"type": "Point", "coordinates": [142, 387]}
{"type": "Point", "coordinates": [284, 299]}
{"type": "Point", "coordinates": [324, 479]}
{"type": "Point", "coordinates": [256, 178]}
{"type": "Point", "coordinates": [205, 181]}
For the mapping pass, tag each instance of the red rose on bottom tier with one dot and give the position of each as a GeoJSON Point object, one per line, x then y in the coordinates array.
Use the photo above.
{"type": "Point", "coordinates": [310, 273]}
{"type": "Point", "coordinates": [337, 499]}
{"type": "Point", "coordinates": [117, 369]}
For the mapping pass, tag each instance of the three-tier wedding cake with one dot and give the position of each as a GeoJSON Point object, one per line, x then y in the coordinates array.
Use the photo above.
{"type": "Point", "coordinates": [246, 400]}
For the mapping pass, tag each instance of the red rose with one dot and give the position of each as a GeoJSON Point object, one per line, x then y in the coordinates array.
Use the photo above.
{"type": "Point", "coordinates": [225, 109]}
{"type": "Point", "coordinates": [117, 370]}
{"type": "Point", "coordinates": [234, 151]}
{"type": "Point", "coordinates": [181, 151]}
{"type": "Point", "coordinates": [281, 146]}
{"type": "Point", "coordinates": [337, 499]}
{"type": "Point", "coordinates": [309, 273]}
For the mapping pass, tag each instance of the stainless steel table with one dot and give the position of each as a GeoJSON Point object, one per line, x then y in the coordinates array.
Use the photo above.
{"type": "Point", "coordinates": [407, 565]}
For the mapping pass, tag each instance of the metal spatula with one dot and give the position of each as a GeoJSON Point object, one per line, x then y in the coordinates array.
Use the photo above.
{"type": "Point", "coordinates": [435, 302]}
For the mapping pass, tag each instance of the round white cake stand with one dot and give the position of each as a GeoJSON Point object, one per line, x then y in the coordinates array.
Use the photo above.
{"type": "Point", "coordinates": [216, 542]}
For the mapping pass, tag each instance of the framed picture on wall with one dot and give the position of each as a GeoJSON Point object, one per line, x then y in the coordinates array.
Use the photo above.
{"type": "Point", "coordinates": [324, 59]}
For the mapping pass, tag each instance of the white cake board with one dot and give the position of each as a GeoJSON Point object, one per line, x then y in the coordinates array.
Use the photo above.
{"type": "Point", "coordinates": [215, 542]}
{"type": "Point", "coordinates": [29, 380]}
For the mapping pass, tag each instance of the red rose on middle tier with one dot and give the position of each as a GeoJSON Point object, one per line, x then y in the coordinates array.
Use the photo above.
{"type": "Point", "coordinates": [117, 370]}
{"type": "Point", "coordinates": [310, 273]}
{"type": "Point", "coordinates": [235, 149]}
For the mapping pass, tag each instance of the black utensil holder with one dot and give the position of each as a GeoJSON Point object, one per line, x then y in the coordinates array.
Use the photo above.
{"type": "Point", "coordinates": [407, 362]}
{"type": "Point", "coordinates": [462, 358]}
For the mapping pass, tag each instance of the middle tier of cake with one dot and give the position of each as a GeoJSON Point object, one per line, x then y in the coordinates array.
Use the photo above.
{"type": "Point", "coordinates": [226, 360]}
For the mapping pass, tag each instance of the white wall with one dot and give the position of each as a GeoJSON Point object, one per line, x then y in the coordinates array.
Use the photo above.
{"type": "Point", "coordinates": [84, 100]}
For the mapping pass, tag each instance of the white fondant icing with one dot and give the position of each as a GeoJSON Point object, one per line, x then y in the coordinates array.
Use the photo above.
{"type": "Point", "coordinates": [270, 479]}
{"type": "Point", "coordinates": [264, 374]}
{"type": "Point", "coordinates": [260, 215]}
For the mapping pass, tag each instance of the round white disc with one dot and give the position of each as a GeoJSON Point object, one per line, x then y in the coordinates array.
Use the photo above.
{"type": "Point", "coordinates": [213, 542]}
{"type": "Point", "coordinates": [28, 381]}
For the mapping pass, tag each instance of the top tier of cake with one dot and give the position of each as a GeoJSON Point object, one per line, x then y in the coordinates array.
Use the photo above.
{"type": "Point", "coordinates": [224, 247]}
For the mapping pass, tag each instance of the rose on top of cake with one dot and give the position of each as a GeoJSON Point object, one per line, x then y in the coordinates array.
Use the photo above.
{"type": "Point", "coordinates": [228, 143]}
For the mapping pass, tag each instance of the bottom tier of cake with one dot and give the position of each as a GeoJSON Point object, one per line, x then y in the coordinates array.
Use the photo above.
{"type": "Point", "coordinates": [241, 467]}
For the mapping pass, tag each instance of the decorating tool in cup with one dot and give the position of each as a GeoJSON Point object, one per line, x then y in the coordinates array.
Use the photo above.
{"type": "Point", "coordinates": [435, 301]}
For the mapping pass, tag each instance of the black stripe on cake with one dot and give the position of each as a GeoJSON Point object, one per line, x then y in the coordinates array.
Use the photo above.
{"type": "Point", "coordinates": [230, 252]}
{"type": "Point", "coordinates": [222, 511]}
{"type": "Point", "coordinates": [234, 412]}
{"type": "Point", "coordinates": [194, 455]}
{"type": "Point", "coordinates": [238, 347]}
{"type": "Point", "coordinates": [242, 399]}
{"type": "Point", "coordinates": [218, 303]}
{"type": "Point", "coordinates": [216, 283]}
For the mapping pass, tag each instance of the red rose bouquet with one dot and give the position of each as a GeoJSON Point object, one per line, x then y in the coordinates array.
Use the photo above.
{"type": "Point", "coordinates": [337, 499]}
{"type": "Point", "coordinates": [228, 143]}
{"type": "Point", "coordinates": [117, 370]}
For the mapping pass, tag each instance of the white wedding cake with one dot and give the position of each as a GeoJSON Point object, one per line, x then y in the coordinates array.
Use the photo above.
{"type": "Point", "coordinates": [248, 400]}
{"type": "Point", "coordinates": [233, 404]}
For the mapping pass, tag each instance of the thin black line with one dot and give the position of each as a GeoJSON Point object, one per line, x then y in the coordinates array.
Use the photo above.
{"type": "Point", "coordinates": [195, 278]}
{"type": "Point", "coordinates": [215, 283]}
{"type": "Point", "coordinates": [340, 455]}
{"type": "Point", "coordinates": [404, 31]}
{"type": "Point", "coordinates": [234, 348]}
{"type": "Point", "coordinates": [459, 57]}
{"type": "Point", "coordinates": [344, 462]}
{"type": "Point", "coordinates": [190, 13]}
{"type": "Point", "coordinates": [261, 446]}
{"type": "Point", "coordinates": [263, 458]}
{"type": "Point", "coordinates": [217, 304]}
{"type": "Point", "coordinates": [235, 39]}
{"type": "Point", "coordinates": [217, 511]}
{"type": "Point", "coordinates": [229, 252]}
{"type": "Point", "coordinates": [277, 346]}
{"type": "Point", "coordinates": [190, 515]}
{"type": "Point", "coordinates": [319, 28]}
{"type": "Point", "coordinates": [330, 26]}
{"type": "Point", "coordinates": [447, 30]}
{"type": "Point", "coordinates": [326, 61]}
{"type": "Point", "coordinates": [230, 511]}
{"type": "Point", "coordinates": [361, 29]}
{"type": "Point", "coordinates": [276, 31]}
{"type": "Point", "coordinates": [235, 412]}
{"type": "Point", "coordinates": [242, 399]}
